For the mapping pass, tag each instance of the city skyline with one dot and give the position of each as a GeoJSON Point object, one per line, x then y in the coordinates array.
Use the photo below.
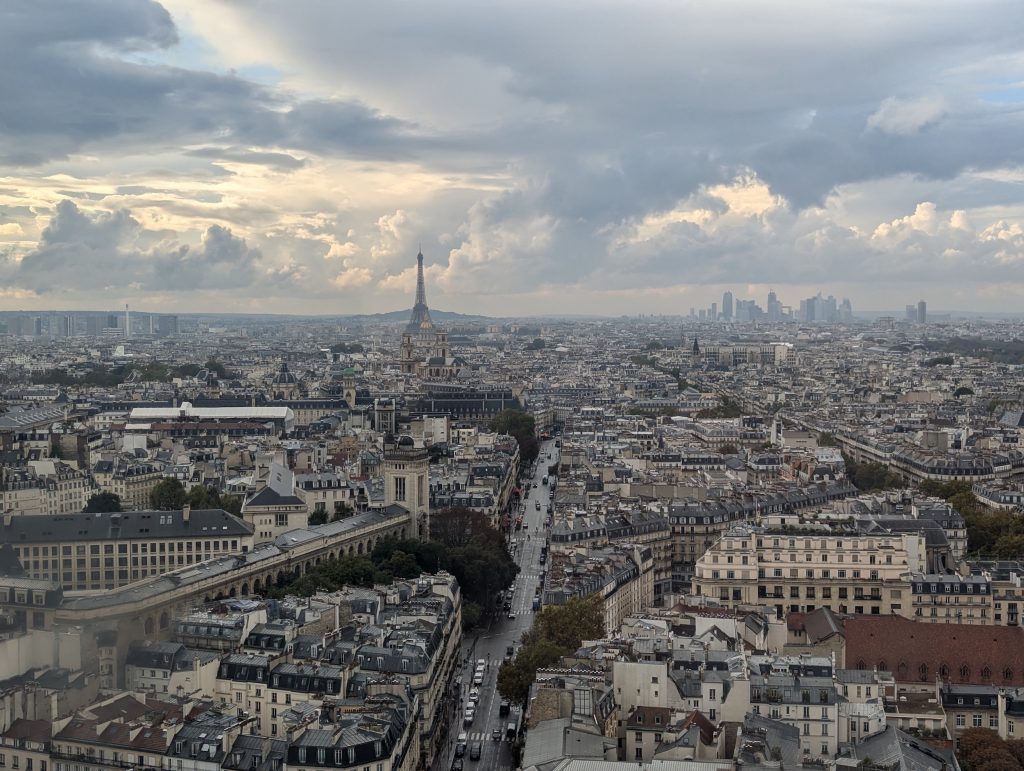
{"type": "Point", "coordinates": [295, 165]}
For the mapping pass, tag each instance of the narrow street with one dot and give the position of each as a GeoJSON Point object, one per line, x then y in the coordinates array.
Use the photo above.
{"type": "Point", "coordinates": [491, 643]}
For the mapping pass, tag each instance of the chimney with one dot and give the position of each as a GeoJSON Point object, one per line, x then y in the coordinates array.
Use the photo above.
{"type": "Point", "coordinates": [186, 511]}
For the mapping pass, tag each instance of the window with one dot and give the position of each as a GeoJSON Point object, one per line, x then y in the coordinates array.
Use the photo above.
{"type": "Point", "coordinates": [976, 720]}
{"type": "Point", "coordinates": [399, 488]}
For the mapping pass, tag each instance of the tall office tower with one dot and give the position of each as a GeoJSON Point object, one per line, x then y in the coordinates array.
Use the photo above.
{"type": "Point", "coordinates": [167, 326]}
{"type": "Point", "coordinates": [727, 306]}
{"type": "Point", "coordinates": [127, 322]}
{"type": "Point", "coordinates": [774, 307]}
{"type": "Point", "coordinates": [714, 311]}
{"type": "Point", "coordinates": [701, 314]}
{"type": "Point", "coordinates": [846, 311]}
{"type": "Point", "coordinates": [922, 312]}
{"type": "Point", "coordinates": [911, 313]}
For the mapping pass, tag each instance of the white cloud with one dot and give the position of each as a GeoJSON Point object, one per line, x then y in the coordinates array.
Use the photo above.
{"type": "Point", "coordinates": [904, 117]}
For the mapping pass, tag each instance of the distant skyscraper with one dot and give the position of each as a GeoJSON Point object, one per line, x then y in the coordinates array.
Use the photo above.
{"type": "Point", "coordinates": [727, 306]}
{"type": "Point", "coordinates": [774, 307]}
{"type": "Point", "coordinates": [911, 313]}
{"type": "Point", "coordinates": [714, 311]}
{"type": "Point", "coordinates": [922, 312]}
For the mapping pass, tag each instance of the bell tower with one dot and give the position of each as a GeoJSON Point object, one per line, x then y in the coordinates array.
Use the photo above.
{"type": "Point", "coordinates": [406, 483]}
{"type": "Point", "coordinates": [408, 354]}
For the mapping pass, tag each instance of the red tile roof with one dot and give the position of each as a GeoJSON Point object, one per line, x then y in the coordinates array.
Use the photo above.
{"type": "Point", "coordinates": [918, 652]}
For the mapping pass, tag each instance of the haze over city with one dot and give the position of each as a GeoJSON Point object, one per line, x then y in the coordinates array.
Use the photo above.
{"type": "Point", "coordinates": [547, 158]}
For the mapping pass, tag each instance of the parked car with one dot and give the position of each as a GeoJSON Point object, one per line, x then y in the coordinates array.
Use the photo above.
{"type": "Point", "coordinates": [478, 678]}
{"type": "Point", "coordinates": [469, 716]}
{"type": "Point", "coordinates": [457, 764]}
{"type": "Point", "coordinates": [475, 750]}
{"type": "Point", "coordinates": [496, 734]}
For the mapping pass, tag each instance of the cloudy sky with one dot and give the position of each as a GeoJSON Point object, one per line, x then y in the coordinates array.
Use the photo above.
{"type": "Point", "coordinates": [556, 156]}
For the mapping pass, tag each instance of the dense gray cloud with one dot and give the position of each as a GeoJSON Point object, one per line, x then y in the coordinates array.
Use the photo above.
{"type": "Point", "coordinates": [79, 251]}
{"type": "Point", "coordinates": [583, 146]}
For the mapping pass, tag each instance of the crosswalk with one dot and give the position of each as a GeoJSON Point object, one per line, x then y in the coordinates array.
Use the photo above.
{"type": "Point", "coordinates": [478, 736]}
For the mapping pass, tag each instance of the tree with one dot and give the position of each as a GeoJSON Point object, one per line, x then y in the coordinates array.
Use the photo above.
{"type": "Point", "coordinates": [983, 750]}
{"type": "Point", "coordinates": [168, 495]}
{"type": "Point", "coordinates": [728, 449]}
{"type": "Point", "coordinates": [538, 344]}
{"type": "Point", "coordinates": [342, 510]}
{"type": "Point", "coordinates": [558, 630]}
{"type": "Point", "coordinates": [963, 391]}
{"type": "Point", "coordinates": [101, 503]}
{"type": "Point", "coordinates": [826, 439]}
{"type": "Point", "coordinates": [318, 517]}
{"type": "Point", "coordinates": [522, 426]}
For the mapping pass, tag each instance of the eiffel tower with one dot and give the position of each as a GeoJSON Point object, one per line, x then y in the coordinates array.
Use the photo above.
{"type": "Point", "coordinates": [420, 323]}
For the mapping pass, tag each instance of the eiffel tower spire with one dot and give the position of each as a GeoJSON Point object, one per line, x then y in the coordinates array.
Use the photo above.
{"type": "Point", "coordinates": [419, 321]}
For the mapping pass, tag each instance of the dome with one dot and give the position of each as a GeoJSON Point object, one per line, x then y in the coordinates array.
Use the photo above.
{"type": "Point", "coordinates": [406, 441]}
{"type": "Point", "coordinates": [284, 376]}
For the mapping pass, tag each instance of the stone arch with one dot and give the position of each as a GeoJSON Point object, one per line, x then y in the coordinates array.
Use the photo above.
{"type": "Point", "coordinates": [257, 587]}
{"type": "Point", "coordinates": [148, 626]}
{"type": "Point", "coordinates": [206, 599]}
{"type": "Point", "coordinates": [279, 580]}
{"type": "Point", "coordinates": [359, 548]}
{"type": "Point", "coordinates": [351, 550]}
{"type": "Point", "coordinates": [165, 620]}
{"type": "Point", "coordinates": [316, 561]}
{"type": "Point", "coordinates": [245, 590]}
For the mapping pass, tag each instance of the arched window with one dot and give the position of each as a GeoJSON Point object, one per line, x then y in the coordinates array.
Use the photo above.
{"type": "Point", "coordinates": [882, 667]}
{"type": "Point", "coordinates": [902, 670]}
{"type": "Point", "coordinates": [922, 672]}
{"type": "Point", "coordinates": [164, 620]}
{"type": "Point", "coordinates": [965, 673]}
{"type": "Point", "coordinates": [1007, 674]}
{"type": "Point", "coordinates": [986, 673]}
{"type": "Point", "coordinates": [861, 664]}
{"type": "Point", "coordinates": [149, 625]}
{"type": "Point", "coordinates": [944, 672]}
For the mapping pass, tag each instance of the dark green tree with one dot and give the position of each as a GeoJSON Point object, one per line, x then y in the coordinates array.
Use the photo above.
{"type": "Point", "coordinates": [538, 344]}
{"type": "Point", "coordinates": [558, 630]}
{"type": "Point", "coordinates": [168, 495]}
{"type": "Point", "coordinates": [522, 426]}
{"type": "Point", "coordinates": [101, 503]}
{"type": "Point", "coordinates": [342, 510]}
{"type": "Point", "coordinates": [728, 449]}
{"type": "Point", "coordinates": [318, 517]}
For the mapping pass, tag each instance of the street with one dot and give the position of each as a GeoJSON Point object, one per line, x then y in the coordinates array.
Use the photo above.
{"type": "Point", "coordinates": [490, 644]}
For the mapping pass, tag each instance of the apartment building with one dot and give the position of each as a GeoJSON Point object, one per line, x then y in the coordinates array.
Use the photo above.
{"type": "Point", "coordinates": [106, 551]}
{"type": "Point", "coordinates": [47, 487]}
{"type": "Point", "coordinates": [800, 692]}
{"type": "Point", "coordinates": [843, 568]}
{"type": "Point", "coordinates": [130, 480]}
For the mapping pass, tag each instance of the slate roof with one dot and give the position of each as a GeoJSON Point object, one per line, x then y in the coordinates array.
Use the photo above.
{"type": "Point", "coordinates": [149, 525]}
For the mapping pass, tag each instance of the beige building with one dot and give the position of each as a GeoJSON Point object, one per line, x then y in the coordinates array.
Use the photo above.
{"type": "Point", "coordinates": [47, 487]}
{"type": "Point", "coordinates": [130, 481]}
{"type": "Point", "coordinates": [104, 551]}
{"type": "Point", "coordinates": [841, 568]}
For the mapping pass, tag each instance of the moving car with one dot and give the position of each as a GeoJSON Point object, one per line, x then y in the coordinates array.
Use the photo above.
{"type": "Point", "coordinates": [457, 764]}
{"type": "Point", "coordinates": [475, 750]}
{"type": "Point", "coordinates": [504, 707]}
{"type": "Point", "coordinates": [469, 716]}
{"type": "Point", "coordinates": [536, 505]}
{"type": "Point", "coordinates": [478, 678]}
{"type": "Point", "coordinates": [511, 615]}
{"type": "Point", "coordinates": [481, 663]}
{"type": "Point", "coordinates": [474, 693]}
{"type": "Point", "coordinates": [496, 734]}
{"type": "Point", "coordinates": [460, 744]}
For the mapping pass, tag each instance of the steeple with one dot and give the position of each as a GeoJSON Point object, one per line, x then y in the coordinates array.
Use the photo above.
{"type": "Point", "coordinates": [419, 321]}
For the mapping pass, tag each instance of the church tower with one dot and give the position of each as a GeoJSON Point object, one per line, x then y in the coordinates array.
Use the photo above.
{"type": "Point", "coordinates": [406, 483]}
{"type": "Point", "coordinates": [407, 354]}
